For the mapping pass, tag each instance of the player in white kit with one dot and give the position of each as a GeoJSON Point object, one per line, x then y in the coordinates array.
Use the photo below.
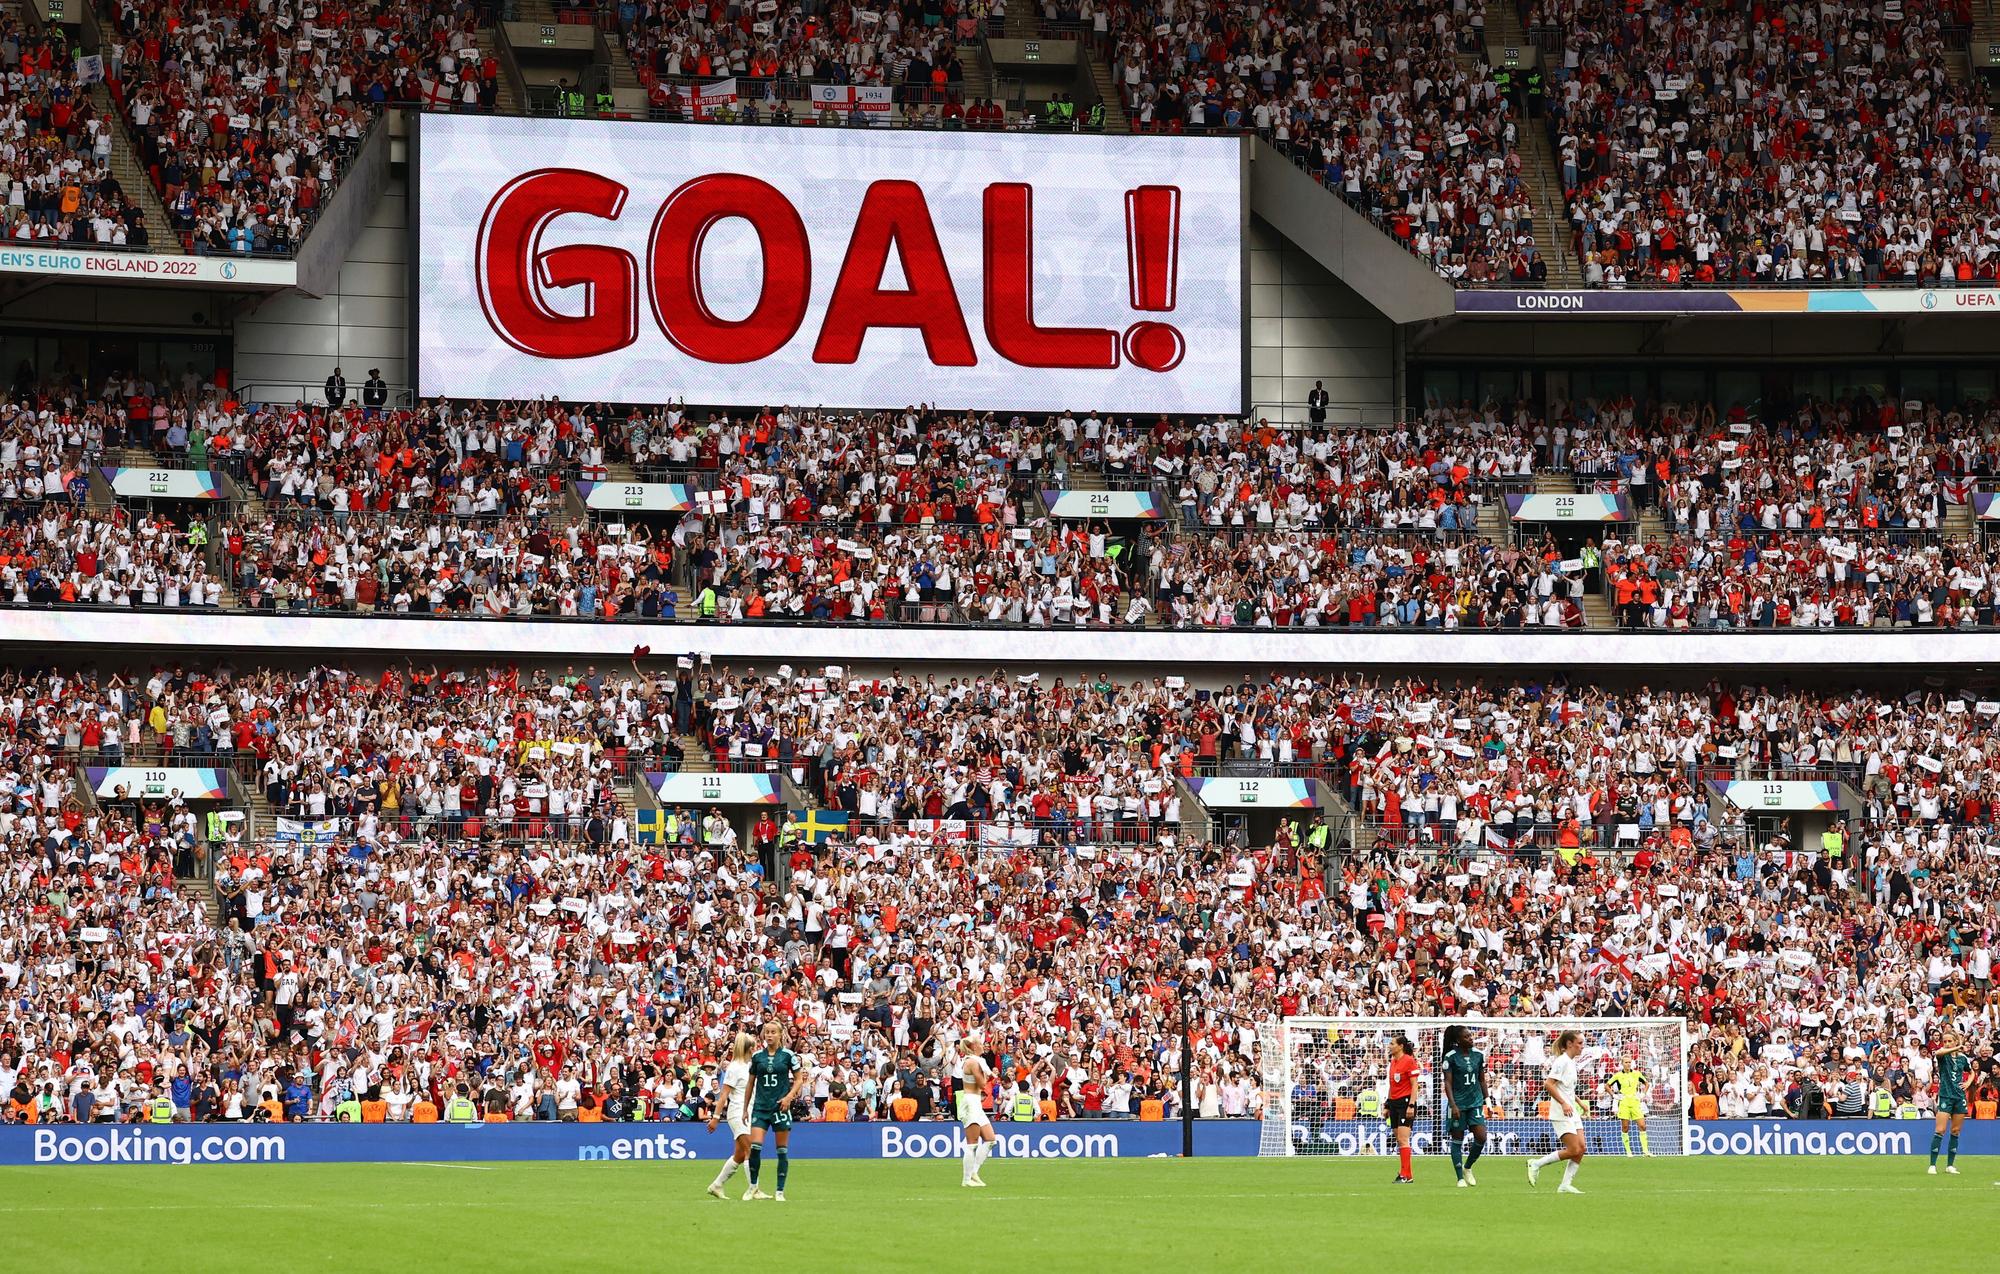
{"type": "Point", "coordinates": [733, 1104]}
{"type": "Point", "coordinates": [1565, 1115]}
{"type": "Point", "coordinates": [972, 1076]}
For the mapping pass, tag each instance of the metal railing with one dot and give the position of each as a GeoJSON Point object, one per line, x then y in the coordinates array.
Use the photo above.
{"type": "Point", "coordinates": [273, 393]}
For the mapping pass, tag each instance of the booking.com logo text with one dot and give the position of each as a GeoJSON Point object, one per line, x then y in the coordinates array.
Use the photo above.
{"type": "Point", "coordinates": [1776, 1139]}
{"type": "Point", "coordinates": [897, 1144]}
{"type": "Point", "coordinates": [658, 1146]}
{"type": "Point", "coordinates": [135, 1146]}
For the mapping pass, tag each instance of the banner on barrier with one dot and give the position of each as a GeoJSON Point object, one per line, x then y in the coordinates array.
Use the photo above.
{"type": "Point", "coordinates": [1752, 302]}
{"type": "Point", "coordinates": [1832, 1137]}
{"type": "Point", "coordinates": [876, 102]}
{"type": "Point", "coordinates": [1259, 794]}
{"type": "Point", "coordinates": [704, 100]}
{"type": "Point", "coordinates": [635, 497]}
{"type": "Point", "coordinates": [1789, 796]}
{"type": "Point", "coordinates": [27, 1145]}
{"type": "Point", "coordinates": [716, 789]}
{"type": "Point", "coordinates": [188, 783]}
{"type": "Point", "coordinates": [1110, 505]}
{"type": "Point", "coordinates": [162, 484]}
{"type": "Point", "coordinates": [1584, 506]}
{"type": "Point", "coordinates": [497, 1143]}
{"type": "Point", "coordinates": [157, 268]}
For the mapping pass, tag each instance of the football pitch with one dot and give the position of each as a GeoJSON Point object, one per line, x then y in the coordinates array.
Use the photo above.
{"type": "Point", "coordinates": [1767, 1214]}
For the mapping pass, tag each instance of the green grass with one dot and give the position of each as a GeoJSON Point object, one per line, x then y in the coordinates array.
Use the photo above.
{"type": "Point", "coordinates": [1773, 1214]}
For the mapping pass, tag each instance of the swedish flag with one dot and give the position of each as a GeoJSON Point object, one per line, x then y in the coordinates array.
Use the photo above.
{"type": "Point", "coordinates": [820, 824]}
{"type": "Point", "coordinates": [650, 826]}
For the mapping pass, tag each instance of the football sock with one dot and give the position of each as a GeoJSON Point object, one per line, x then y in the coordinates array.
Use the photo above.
{"type": "Point", "coordinates": [985, 1152]}
{"type": "Point", "coordinates": [1569, 1171]}
{"type": "Point", "coordinates": [1625, 1140]}
{"type": "Point", "coordinates": [1548, 1159]}
{"type": "Point", "coordinates": [1457, 1158]}
{"type": "Point", "coordinates": [1937, 1144]}
{"type": "Point", "coordinates": [756, 1162]}
{"type": "Point", "coordinates": [1643, 1147]}
{"type": "Point", "coordinates": [1478, 1149]}
{"type": "Point", "coordinates": [728, 1171]}
{"type": "Point", "coordinates": [1951, 1150]}
{"type": "Point", "coordinates": [784, 1167]}
{"type": "Point", "coordinates": [971, 1161]}
{"type": "Point", "coordinates": [1404, 1155]}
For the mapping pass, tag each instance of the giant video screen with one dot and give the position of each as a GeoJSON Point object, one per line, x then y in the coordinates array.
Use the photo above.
{"type": "Point", "coordinates": [651, 262]}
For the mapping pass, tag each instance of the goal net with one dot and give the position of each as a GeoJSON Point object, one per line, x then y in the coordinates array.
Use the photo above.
{"type": "Point", "coordinates": [1326, 1083]}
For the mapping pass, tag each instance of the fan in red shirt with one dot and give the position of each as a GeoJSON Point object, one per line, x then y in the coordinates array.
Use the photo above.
{"type": "Point", "coordinates": [1402, 1096]}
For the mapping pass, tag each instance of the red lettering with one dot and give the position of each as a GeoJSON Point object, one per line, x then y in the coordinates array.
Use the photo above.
{"type": "Point", "coordinates": [1010, 292]}
{"type": "Point", "coordinates": [894, 214]}
{"type": "Point", "coordinates": [514, 273]}
{"type": "Point", "coordinates": [675, 261]}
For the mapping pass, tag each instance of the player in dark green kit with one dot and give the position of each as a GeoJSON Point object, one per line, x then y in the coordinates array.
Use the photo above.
{"type": "Point", "coordinates": [1952, 1066]}
{"type": "Point", "coordinates": [1465, 1101]}
{"type": "Point", "coordinates": [775, 1080]}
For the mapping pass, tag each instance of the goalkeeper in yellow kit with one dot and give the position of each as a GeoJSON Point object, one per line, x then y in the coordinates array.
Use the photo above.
{"type": "Point", "coordinates": [1629, 1083]}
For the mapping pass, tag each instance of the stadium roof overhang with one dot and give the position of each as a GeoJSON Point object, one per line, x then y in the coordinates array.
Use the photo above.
{"type": "Point", "coordinates": [1320, 224]}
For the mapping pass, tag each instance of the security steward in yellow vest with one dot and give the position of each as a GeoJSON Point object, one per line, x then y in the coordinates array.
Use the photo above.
{"type": "Point", "coordinates": [461, 1109]}
{"type": "Point", "coordinates": [1024, 1106]}
{"type": "Point", "coordinates": [160, 1110]}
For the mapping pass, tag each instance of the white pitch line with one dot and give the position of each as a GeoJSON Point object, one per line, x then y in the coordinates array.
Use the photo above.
{"type": "Point", "coordinates": [462, 1167]}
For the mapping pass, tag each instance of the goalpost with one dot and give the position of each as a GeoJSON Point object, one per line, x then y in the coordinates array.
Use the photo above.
{"type": "Point", "coordinates": [1326, 1082]}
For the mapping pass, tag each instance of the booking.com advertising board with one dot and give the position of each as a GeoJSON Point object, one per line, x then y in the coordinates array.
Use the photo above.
{"type": "Point", "coordinates": [653, 262]}
{"type": "Point", "coordinates": [22, 1146]}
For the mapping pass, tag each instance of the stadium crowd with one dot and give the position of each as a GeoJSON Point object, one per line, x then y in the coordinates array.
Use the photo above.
{"type": "Point", "coordinates": [244, 118]}
{"type": "Point", "coordinates": [1014, 866]}
{"type": "Point", "coordinates": [1820, 144]}
{"type": "Point", "coordinates": [1832, 514]}
{"type": "Point", "coordinates": [1373, 98]}
{"type": "Point", "coordinates": [55, 148]}
{"type": "Point", "coordinates": [908, 46]}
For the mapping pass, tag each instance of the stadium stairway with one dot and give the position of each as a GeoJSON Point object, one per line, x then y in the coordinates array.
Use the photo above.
{"type": "Point", "coordinates": [977, 85]}
{"type": "Point", "coordinates": [133, 179]}
{"type": "Point", "coordinates": [1503, 28]}
{"type": "Point", "coordinates": [1597, 611]}
{"type": "Point", "coordinates": [1959, 522]}
{"type": "Point", "coordinates": [1338, 811]}
{"type": "Point", "coordinates": [1493, 520]}
{"type": "Point", "coordinates": [202, 890]}
{"type": "Point", "coordinates": [695, 756]}
{"type": "Point", "coordinates": [1985, 32]}
{"type": "Point", "coordinates": [625, 85]}
{"type": "Point", "coordinates": [1538, 164]}
{"type": "Point", "coordinates": [263, 817]}
{"type": "Point", "coordinates": [508, 101]}
{"type": "Point", "coordinates": [1194, 818]}
{"type": "Point", "coordinates": [1554, 484]}
{"type": "Point", "coordinates": [1107, 92]}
